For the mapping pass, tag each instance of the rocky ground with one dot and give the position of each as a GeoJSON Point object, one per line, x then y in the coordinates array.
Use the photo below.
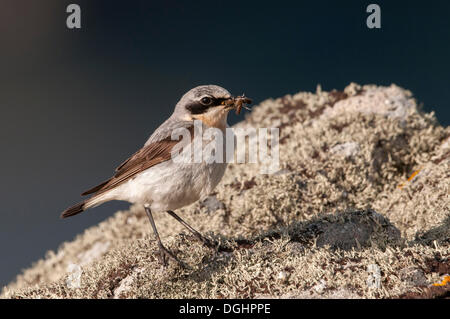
{"type": "Point", "coordinates": [360, 208]}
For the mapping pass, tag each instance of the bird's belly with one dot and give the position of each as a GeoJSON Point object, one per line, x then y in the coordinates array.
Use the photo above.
{"type": "Point", "coordinates": [169, 185]}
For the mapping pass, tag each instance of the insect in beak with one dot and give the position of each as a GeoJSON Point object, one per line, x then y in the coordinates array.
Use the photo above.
{"type": "Point", "coordinates": [238, 103]}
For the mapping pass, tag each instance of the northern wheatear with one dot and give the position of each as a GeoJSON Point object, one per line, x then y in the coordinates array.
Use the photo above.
{"type": "Point", "coordinates": [153, 179]}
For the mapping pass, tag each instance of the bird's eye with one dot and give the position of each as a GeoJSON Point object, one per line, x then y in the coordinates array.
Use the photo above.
{"type": "Point", "coordinates": [206, 100]}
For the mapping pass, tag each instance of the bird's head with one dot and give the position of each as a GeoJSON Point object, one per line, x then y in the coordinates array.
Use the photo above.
{"type": "Point", "coordinates": [209, 104]}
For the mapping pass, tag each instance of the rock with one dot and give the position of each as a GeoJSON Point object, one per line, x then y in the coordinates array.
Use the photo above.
{"type": "Point", "coordinates": [392, 102]}
{"type": "Point", "coordinates": [320, 287]}
{"type": "Point", "coordinates": [414, 277]}
{"type": "Point", "coordinates": [346, 217]}
{"type": "Point", "coordinates": [126, 284]}
{"type": "Point", "coordinates": [347, 230]}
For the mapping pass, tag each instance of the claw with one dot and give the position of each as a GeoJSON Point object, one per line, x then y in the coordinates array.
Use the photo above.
{"type": "Point", "coordinates": [164, 254]}
{"type": "Point", "coordinates": [209, 243]}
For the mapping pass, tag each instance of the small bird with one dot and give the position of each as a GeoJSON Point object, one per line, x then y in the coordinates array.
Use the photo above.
{"type": "Point", "coordinates": [152, 178]}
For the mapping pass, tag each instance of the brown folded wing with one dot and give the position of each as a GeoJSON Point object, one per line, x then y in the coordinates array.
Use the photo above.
{"type": "Point", "coordinates": [148, 156]}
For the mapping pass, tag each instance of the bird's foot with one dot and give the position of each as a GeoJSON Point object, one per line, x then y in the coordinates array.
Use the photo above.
{"type": "Point", "coordinates": [208, 243]}
{"type": "Point", "coordinates": [165, 254]}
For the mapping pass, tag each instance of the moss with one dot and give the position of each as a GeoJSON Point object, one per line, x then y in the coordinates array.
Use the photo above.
{"type": "Point", "coordinates": [309, 231]}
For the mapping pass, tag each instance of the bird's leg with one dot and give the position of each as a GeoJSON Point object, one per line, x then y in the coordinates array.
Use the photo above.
{"type": "Point", "coordinates": [163, 251]}
{"type": "Point", "coordinates": [199, 236]}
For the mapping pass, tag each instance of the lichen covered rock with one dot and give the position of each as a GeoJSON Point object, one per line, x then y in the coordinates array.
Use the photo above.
{"type": "Point", "coordinates": [360, 208]}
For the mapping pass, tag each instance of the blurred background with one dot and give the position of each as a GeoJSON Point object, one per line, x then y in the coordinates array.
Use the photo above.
{"type": "Point", "coordinates": [75, 103]}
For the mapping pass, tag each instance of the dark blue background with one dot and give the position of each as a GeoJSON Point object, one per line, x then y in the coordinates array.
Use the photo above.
{"type": "Point", "coordinates": [75, 103]}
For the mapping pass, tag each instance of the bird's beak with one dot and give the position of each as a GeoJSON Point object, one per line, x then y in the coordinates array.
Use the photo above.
{"type": "Point", "coordinates": [228, 103]}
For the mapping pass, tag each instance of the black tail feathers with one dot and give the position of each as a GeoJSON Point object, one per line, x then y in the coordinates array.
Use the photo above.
{"type": "Point", "coordinates": [73, 210]}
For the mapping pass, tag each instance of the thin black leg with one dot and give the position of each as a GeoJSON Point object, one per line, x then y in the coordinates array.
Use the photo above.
{"type": "Point", "coordinates": [163, 251]}
{"type": "Point", "coordinates": [199, 236]}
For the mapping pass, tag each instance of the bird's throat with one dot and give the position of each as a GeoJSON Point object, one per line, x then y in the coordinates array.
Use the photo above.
{"type": "Point", "coordinates": [217, 119]}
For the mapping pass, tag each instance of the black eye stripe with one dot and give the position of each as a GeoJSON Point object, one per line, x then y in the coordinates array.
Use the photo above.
{"type": "Point", "coordinates": [196, 108]}
{"type": "Point", "coordinates": [199, 108]}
